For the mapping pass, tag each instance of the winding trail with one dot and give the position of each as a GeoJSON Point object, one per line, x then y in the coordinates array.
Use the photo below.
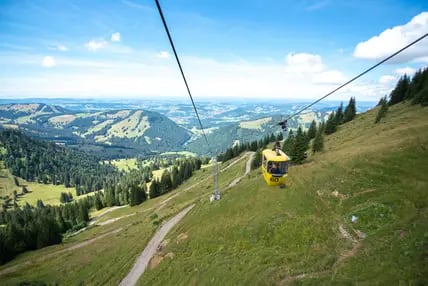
{"type": "Point", "coordinates": [144, 258]}
{"type": "Point", "coordinates": [247, 170]}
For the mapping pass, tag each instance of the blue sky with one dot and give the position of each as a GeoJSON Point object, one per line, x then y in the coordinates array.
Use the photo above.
{"type": "Point", "coordinates": [229, 49]}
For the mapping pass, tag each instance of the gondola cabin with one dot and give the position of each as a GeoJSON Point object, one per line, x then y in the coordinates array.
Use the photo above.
{"type": "Point", "coordinates": [274, 167]}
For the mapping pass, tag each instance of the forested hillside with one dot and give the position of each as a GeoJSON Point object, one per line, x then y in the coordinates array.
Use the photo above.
{"type": "Point", "coordinates": [45, 162]}
{"type": "Point", "coordinates": [32, 227]}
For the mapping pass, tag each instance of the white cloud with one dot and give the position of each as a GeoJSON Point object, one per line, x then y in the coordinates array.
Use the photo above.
{"type": "Point", "coordinates": [329, 77]}
{"type": "Point", "coordinates": [301, 76]}
{"type": "Point", "coordinates": [396, 38]}
{"type": "Point", "coordinates": [115, 37]}
{"type": "Point", "coordinates": [95, 45]}
{"type": "Point", "coordinates": [164, 55]}
{"type": "Point", "coordinates": [58, 47]}
{"type": "Point", "coordinates": [387, 79]}
{"type": "Point", "coordinates": [406, 70]}
{"type": "Point", "coordinates": [304, 62]}
{"type": "Point", "coordinates": [48, 62]}
{"type": "Point", "coordinates": [312, 68]}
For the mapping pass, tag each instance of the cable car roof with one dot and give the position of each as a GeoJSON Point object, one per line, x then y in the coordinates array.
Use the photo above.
{"type": "Point", "coordinates": [271, 155]}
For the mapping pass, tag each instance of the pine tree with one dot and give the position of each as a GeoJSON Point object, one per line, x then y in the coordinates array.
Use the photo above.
{"type": "Point", "coordinates": [174, 177]}
{"type": "Point", "coordinates": [350, 111]}
{"type": "Point", "coordinates": [382, 110]}
{"type": "Point", "coordinates": [166, 181]}
{"type": "Point", "coordinates": [339, 114]}
{"type": "Point", "coordinates": [399, 93]}
{"type": "Point", "coordinates": [331, 124]}
{"type": "Point", "coordinates": [312, 130]}
{"type": "Point", "coordinates": [421, 97]}
{"type": "Point", "coordinates": [40, 204]}
{"type": "Point", "coordinates": [288, 145]}
{"type": "Point", "coordinates": [154, 189]}
{"type": "Point", "coordinates": [418, 83]}
{"type": "Point", "coordinates": [318, 143]}
{"type": "Point", "coordinates": [298, 154]}
{"type": "Point", "coordinates": [98, 202]}
{"type": "Point", "coordinates": [383, 100]}
{"type": "Point", "coordinates": [132, 196]}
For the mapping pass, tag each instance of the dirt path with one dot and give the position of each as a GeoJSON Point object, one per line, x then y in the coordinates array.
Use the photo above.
{"type": "Point", "coordinates": [56, 253]}
{"type": "Point", "coordinates": [144, 258]}
{"type": "Point", "coordinates": [159, 235]}
{"type": "Point", "coordinates": [97, 217]}
{"type": "Point", "coordinates": [247, 170]}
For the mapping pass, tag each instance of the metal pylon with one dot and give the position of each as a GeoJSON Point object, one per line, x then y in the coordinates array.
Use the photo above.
{"type": "Point", "coordinates": [216, 193]}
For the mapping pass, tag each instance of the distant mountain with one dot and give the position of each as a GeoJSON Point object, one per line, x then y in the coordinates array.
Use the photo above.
{"type": "Point", "coordinates": [246, 131]}
{"type": "Point", "coordinates": [114, 133]}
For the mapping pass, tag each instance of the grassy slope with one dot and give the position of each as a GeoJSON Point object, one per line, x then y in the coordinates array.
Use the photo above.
{"type": "Point", "coordinates": [106, 261]}
{"type": "Point", "coordinates": [49, 194]}
{"type": "Point", "coordinates": [262, 235]}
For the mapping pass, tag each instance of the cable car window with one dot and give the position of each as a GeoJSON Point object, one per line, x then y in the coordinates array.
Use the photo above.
{"type": "Point", "coordinates": [277, 168]}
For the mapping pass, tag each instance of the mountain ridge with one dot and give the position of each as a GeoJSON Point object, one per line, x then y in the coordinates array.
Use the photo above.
{"type": "Point", "coordinates": [133, 131]}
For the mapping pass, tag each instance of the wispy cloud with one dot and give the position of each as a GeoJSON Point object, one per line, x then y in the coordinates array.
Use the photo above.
{"type": "Point", "coordinates": [58, 47]}
{"type": "Point", "coordinates": [132, 4]}
{"type": "Point", "coordinates": [48, 62]}
{"type": "Point", "coordinates": [164, 55]}
{"type": "Point", "coordinates": [406, 70]}
{"type": "Point", "coordinates": [95, 45]}
{"type": "Point", "coordinates": [115, 37]}
{"type": "Point", "coordinates": [317, 5]}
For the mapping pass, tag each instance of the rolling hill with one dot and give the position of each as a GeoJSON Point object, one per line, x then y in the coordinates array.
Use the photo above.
{"type": "Point", "coordinates": [260, 235]}
{"type": "Point", "coordinates": [116, 133]}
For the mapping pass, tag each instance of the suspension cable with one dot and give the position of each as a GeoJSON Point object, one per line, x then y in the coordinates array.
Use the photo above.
{"type": "Point", "coordinates": [358, 76]}
{"type": "Point", "coordinates": [181, 70]}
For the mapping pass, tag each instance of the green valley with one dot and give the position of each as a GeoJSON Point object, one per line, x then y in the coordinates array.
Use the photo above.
{"type": "Point", "coordinates": [265, 235]}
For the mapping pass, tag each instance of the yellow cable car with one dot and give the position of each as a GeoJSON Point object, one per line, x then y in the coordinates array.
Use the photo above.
{"type": "Point", "coordinates": [274, 166]}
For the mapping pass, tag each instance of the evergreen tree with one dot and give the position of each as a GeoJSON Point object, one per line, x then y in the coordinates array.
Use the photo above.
{"type": "Point", "coordinates": [98, 202]}
{"type": "Point", "coordinates": [331, 124]}
{"type": "Point", "coordinates": [417, 84]}
{"type": "Point", "coordinates": [350, 111]}
{"type": "Point", "coordinates": [382, 110]}
{"type": "Point", "coordinates": [318, 143]}
{"type": "Point", "coordinates": [166, 181]}
{"type": "Point", "coordinates": [300, 146]}
{"type": "Point", "coordinates": [154, 189]}
{"type": "Point", "coordinates": [383, 100]}
{"type": "Point", "coordinates": [40, 204]}
{"type": "Point", "coordinates": [339, 114]}
{"type": "Point", "coordinates": [399, 93]}
{"type": "Point", "coordinates": [312, 131]}
{"type": "Point", "coordinates": [421, 97]}
{"type": "Point", "coordinates": [288, 145]}
{"type": "Point", "coordinates": [174, 177]}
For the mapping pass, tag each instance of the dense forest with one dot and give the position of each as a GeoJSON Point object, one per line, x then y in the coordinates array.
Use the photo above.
{"type": "Point", "coordinates": [45, 162]}
{"type": "Point", "coordinates": [30, 228]}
